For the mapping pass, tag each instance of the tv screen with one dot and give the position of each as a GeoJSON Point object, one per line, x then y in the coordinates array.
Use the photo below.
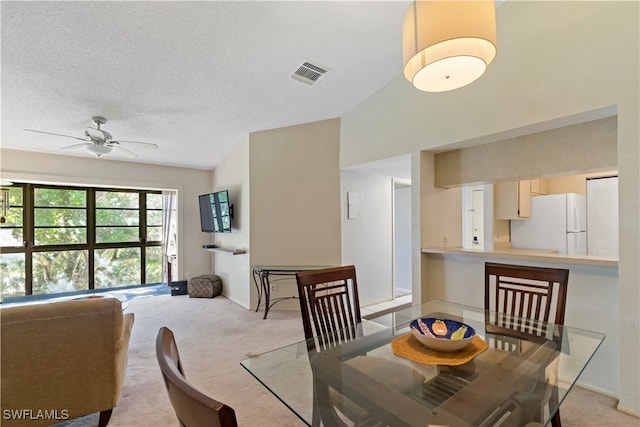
{"type": "Point", "coordinates": [215, 212]}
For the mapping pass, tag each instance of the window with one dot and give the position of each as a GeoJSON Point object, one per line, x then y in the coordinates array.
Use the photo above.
{"type": "Point", "coordinates": [11, 231]}
{"type": "Point", "coordinates": [153, 256]}
{"type": "Point", "coordinates": [59, 271]}
{"type": "Point", "coordinates": [12, 274]}
{"type": "Point", "coordinates": [60, 216]}
{"type": "Point", "coordinates": [117, 217]}
{"type": "Point", "coordinates": [12, 264]}
{"type": "Point", "coordinates": [60, 239]}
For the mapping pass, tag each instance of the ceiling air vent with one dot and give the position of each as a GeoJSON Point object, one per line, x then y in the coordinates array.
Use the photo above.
{"type": "Point", "coordinates": [308, 73]}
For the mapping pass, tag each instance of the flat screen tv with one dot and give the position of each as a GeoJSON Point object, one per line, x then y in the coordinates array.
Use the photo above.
{"type": "Point", "coordinates": [216, 212]}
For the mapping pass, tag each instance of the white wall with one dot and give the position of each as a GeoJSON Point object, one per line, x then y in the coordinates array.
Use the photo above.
{"type": "Point", "coordinates": [402, 237]}
{"type": "Point", "coordinates": [367, 242]}
{"type": "Point", "coordinates": [57, 169]}
{"type": "Point", "coordinates": [554, 60]}
{"type": "Point", "coordinates": [232, 174]}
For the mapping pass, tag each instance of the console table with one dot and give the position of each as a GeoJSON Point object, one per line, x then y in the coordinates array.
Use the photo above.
{"type": "Point", "coordinates": [262, 279]}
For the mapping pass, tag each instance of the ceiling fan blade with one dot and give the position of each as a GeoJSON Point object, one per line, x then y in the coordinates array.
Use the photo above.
{"type": "Point", "coordinates": [142, 144]}
{"type": "Point", "coordinates": [69, 147]}
{"type": "Point", "coordinates": [97, 134]}
{"type": "Point", "coordinates": [123, 151]}
{"type": "Point", "coordinates": [56, 134]}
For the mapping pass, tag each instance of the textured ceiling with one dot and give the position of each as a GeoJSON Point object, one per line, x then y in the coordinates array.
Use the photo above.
{"type": "Point", "coordinates": [193, 77]}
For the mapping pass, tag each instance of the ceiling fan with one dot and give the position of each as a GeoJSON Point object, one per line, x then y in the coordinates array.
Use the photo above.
{"type": "Point", "coordinates": [99, 142]}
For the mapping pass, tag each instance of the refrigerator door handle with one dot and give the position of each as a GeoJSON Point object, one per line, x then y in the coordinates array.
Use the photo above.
{"type": "Point", "coordinates": [577, 227]}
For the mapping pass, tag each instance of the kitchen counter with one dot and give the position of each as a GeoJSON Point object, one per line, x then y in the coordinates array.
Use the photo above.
{"type": "Point", "coordinates": [525, 254]}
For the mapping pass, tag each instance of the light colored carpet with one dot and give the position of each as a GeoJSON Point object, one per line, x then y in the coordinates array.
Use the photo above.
{"type": "Point", "coordinates": [214, 335]}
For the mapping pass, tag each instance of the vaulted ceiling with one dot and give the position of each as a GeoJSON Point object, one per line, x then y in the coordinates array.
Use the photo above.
{"type": "Point", "coordinates": [193, 77]}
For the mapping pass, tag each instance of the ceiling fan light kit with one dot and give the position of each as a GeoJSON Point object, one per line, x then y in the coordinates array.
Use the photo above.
{"type": "Point", "coordinates": [98, 149]}
{"type": "Point", "coordinates": [447, 44]}
{"type": "Point", "coordinates": [99, 142]}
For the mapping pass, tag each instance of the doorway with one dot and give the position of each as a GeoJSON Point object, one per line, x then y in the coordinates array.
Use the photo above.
{"type": "Point", "coordinates": [402, 239]}
{"type": "Point", "coordinates": [477, 218]}
{"type": "Point", "coordinates": [473, 228]}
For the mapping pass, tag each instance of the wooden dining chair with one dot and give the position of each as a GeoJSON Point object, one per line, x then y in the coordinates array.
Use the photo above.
{"type": "Point", "coordinates": [330, 308]}
{"type": "Point", "coordinates": [536, 294]}
{"type": "Point", "coordinates": [329, 304]}
{"type": "Point", "coordinates": [193, 408]}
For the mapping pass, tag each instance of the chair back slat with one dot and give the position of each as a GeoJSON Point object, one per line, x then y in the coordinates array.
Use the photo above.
{"type": "Point", "coordinates": [329, 304]}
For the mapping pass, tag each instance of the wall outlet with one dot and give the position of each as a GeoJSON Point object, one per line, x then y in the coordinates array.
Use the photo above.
{"type": "Point", "coordinates": [273, 288]}
{"type": "Point", "coordinates": [444, 240]}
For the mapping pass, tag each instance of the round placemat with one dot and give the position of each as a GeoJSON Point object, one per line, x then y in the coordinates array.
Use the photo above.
{"type": "Point", "coordinates": [409, 347]}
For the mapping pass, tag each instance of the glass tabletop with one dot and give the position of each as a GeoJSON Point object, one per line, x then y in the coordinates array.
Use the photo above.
{"type": "Point", "coordinates": [514, 379]}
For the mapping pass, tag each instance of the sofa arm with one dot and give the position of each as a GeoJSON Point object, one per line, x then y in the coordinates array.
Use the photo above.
{"type": "Point", "coordinates": [122, 351]}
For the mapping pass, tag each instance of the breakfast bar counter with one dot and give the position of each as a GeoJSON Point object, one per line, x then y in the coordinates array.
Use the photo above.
{"type": "Point", "coordinates": [525, 254]}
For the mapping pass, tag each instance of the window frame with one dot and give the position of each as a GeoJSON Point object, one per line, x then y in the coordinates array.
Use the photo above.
{"type": "Point", "coordinates": [28, 230]}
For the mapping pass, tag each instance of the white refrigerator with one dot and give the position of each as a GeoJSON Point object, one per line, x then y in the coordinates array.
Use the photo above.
{"type": "Point", "coordinates": [558, 222]}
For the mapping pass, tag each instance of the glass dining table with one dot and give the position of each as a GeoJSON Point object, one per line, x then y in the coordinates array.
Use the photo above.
{"type": "Point", "coordinates": [515, 372]}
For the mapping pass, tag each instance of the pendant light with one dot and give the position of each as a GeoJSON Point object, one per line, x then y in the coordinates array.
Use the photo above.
{"type": "Point", "coordinates": [447, 44]}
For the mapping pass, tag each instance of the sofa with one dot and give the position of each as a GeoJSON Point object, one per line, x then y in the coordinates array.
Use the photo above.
{"type": "Point", "coordinates": [62, 360]}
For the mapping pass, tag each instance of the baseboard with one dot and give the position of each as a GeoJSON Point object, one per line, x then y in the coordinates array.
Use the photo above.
{"type": "Point", "coordinates": [629, 411]}
{"type": "Point", "coordinates": [236, 302]}
{"type": "Point", "coordinates": [592, 388]}
{"type": "Point", "coordinates": [619, 407]}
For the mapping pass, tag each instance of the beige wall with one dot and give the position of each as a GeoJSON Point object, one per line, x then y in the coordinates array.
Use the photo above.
{"type": "Point", "coordinates": [285, 187]}
{"type": "Point", "coordinates": [548, 67]}
{"type": "Point", "coordinates": [581, 147]}
{"type": "Point", "coordinates": [441, 210]}
{"type": "Point", "coordinates": [232, 174]}
{"type": "Point", "coordinates": [56, 169]}
{"type": "Point", "coordinates": [295, 198]}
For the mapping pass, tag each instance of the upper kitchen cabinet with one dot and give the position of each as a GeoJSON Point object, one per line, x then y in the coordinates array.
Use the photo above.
{"type": "Point", "coordinates": [513, 199]}
{"type": "Point", "coordinates": [538, 187]}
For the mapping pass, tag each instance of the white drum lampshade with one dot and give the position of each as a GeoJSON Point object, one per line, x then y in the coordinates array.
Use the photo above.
{"type": "Point", "coordinates": [447, 44]}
